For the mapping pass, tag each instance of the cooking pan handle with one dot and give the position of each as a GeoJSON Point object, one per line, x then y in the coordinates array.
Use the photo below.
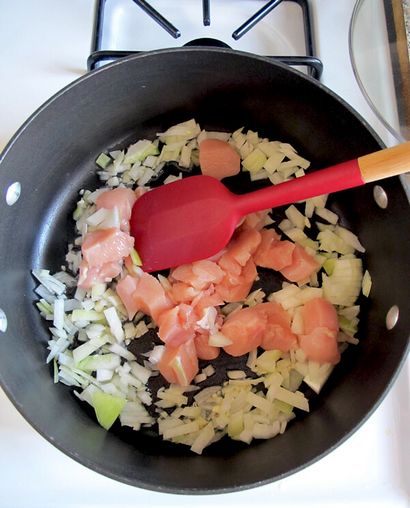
{"type": "Point", "coordinates": [384, 163]}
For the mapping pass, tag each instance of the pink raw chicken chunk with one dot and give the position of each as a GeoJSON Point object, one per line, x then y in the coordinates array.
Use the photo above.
{"type": "Point", "coordinates": [203, 349]}
{"type": "Point", "coordinates": [121, 198]}
{"type": "Point", "coordinates": [255, 220]}
{"type": "Point", "coordinates": [177, 325]}
{"type": "Point", "coordinates": [198, 274]}
{"type": "Point", "coordinates": [321, 324]}
{"type": "Point", "coordinates": [179, 364]}
{"type": "Point", "coordinates": [245, 328]}
{"type": "Point", "coordinates": [319, 312]}
{"type": "Point", "coordinates": [181, 292]}
{"type": "Point", "coordinates": [238, 265]}
{"type": "Point", "coordinates": [98, 274]}
{"type": "Point", "coordinates": [206, 272]}
{"type": "Point", "coordinates": [272, 252]}
{"type": "Point", "coordinates": [106, 245]}
{"type": "Point", "coordinates": [143, 293]}
{"type": "Point", "coordinates": [218, 159]}
{"type": "Point", "coordinates": [278, 334]}
{"type": "Point", "coordinates": [235, 288]}
{"type": "Point", "coordinates": [103, 251]}
{"type": "Point", "coordinates": [207, 298]}
{"type": "Point", "coordinates": [244, 245]}
{"type": "Point", "coordinates": [302, 267]}
{"type": "Point", "coordinates": [320, 346]}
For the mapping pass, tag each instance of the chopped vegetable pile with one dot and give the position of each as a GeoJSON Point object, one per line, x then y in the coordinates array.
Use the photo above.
{"type": "Point", "coordinates": [227, 346]}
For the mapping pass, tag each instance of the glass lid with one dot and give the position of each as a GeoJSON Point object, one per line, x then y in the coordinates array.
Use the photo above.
{"type": "Point", "coordinates": [379, 51]}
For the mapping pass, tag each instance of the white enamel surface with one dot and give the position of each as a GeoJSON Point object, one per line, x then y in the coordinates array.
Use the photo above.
{"type": "Point", "coordinates": [279, 33]}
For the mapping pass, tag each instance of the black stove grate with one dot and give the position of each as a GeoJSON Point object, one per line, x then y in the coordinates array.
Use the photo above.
{"type": "Point", "coordinates": [310, 61]}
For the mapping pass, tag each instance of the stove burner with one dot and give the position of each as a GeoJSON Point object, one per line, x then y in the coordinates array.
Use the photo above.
{"type": "Point", "coordinates": [253, 20]}
{"type": "Point", "coordinates": [156, 16]}
{"type": "Point", "coordinates": [313, 64]}
{"type": "Point", "coordinates": [207, 41]}
{"type": "Point", "coordinates": [206, 12]}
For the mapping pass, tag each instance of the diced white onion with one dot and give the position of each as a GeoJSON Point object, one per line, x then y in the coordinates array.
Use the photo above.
{"type": "Point", "coordinates": [114, 323]}
{"type": "Point", "coordinates": [219, 340]}
{"type": "Point", "coordinates": [59, 313]}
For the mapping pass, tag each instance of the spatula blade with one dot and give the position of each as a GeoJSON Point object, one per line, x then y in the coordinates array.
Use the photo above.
{"type": "Point", "coordinates": [183, 221]}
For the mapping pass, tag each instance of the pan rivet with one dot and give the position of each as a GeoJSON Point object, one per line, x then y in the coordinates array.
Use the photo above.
{"type": "Point", "coordinates": [392, 317]}
{"type": "Point", "coordinates": [3, 321]}
{"type": "Point", "coordinates": [13, 193]}
{"type": "Point", "coordinates": [380, 196]}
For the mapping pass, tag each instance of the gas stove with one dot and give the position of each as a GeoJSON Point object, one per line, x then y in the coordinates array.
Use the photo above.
{"type": "Point", "coordinates": [277, 28]}
{"type": "Point", "coordinates": [46, 46]}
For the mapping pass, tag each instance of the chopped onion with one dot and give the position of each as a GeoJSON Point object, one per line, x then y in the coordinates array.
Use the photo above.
{"type": "Point", "coordinates": [245, 408]}
{"type": "Point", "coordinates": [87, 349]}
{"type": "Point", "coordinates": [317, 376]}
{"type": "Point", "coordinates": [209, 370]}
{"type": "Point", "coordinates": [107, 408]}
{"type": "Point", "coordinates": [296, 235]}
{"type": "Point", "coordinates": [140, 372]}
{"type": "Point", "coordinates": [343, 286]}
{"type": "Point", "coordinates": [199, 378]}
{"type": "Point", "coordinates": [219, 340]}
{"type": "Point", "coordinates": [121, 351]}
{"type": "Point", "coordinates": [49, 282]}
{"type": "Point", "coordinates": [156, 354]}
{"type": "Point", "coordinates": [366, 283]}
{"type": "Point", "coordinates": [114, 323]}
{"type": "Point", "coordinates": [296, 399]}
{"type": "Point", "coordinates": [84, 315]}
{"type": "Point", "coordinates": [58, 313]}
{"type": "Point", "coordinates": [236, 374]}
{"type": "Point", "coordinates": [254, 161]}
{"type": "Point", "coordinates": [330, 242]}
{"type": "Point", "coordinates": [327, 215]}
{"type": "Point", "coordinates": [203, 439]}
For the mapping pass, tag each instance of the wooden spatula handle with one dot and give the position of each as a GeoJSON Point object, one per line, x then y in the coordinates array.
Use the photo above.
{"type": "Point", "coordinates": [384, 163]}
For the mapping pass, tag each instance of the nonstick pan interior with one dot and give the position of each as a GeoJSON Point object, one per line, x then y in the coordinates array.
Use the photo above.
{"type": "Point", "coordinates": [53, 156]}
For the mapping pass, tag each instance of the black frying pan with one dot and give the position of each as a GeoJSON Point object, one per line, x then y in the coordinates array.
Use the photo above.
{"type": "Point", "coordinates": [53, 156]}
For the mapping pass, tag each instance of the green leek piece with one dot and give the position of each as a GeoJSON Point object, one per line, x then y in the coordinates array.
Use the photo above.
{"type": "Point", "coordinates": [107, 408]}
{"type": "Point", "coordinates": [329, 265]}
{"type": "Point", "coordinates": [348, 327]}
{"type": "Point", "coordinates": [78, 212]}
{"type": "Point", "coordinates": [235, 424]}
{"type": "Point", "coordinates": [103, 160]}
{"type": "Point", "coordinates": [104, 361]}
{"type": "Point", "coordinates": [283, 407]}
{"type": "Point", "coordinates": [44, 307]}
{"type": "Point", "coordinates": [135, 257]}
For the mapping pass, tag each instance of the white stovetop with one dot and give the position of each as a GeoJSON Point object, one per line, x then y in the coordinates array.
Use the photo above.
{"type": "Point", "coordinates": [44, 46]}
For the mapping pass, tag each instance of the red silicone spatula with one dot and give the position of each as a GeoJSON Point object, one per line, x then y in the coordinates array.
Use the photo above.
{"type": "Point", "coordinates": [195, 218]}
